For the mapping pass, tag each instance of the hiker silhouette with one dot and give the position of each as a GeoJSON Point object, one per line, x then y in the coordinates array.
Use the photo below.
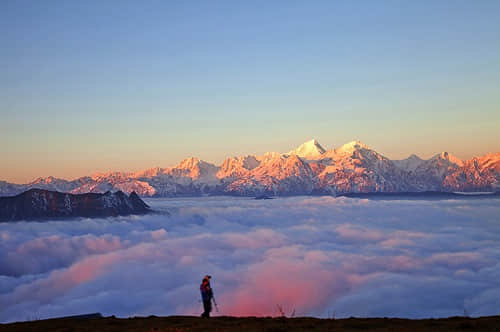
{"type": "Point", "coordinates": [207, 295]}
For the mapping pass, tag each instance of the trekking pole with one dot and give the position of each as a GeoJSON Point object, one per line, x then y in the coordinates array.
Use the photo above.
{"type": "Point", "coordinates": [215, 303]}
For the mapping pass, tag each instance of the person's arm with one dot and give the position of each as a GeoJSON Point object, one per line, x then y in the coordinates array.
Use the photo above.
{"type": "Point", "coordinates": [204, 293]}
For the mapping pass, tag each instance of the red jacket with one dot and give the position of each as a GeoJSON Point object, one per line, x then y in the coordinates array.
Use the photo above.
{"type": "Point", "coordinates": [206, 291]}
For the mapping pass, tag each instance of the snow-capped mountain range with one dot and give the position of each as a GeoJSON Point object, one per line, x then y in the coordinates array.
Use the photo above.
{"type": "Point", "coordinates": [309, 169]}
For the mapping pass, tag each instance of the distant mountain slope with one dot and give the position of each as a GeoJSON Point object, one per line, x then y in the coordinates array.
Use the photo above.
{"type": "Point", "coordinates": [354, 167]}
{"type": "Point", "coordinates": [309, 169]}
{"type": "Point", "coordinates": [36, 204]}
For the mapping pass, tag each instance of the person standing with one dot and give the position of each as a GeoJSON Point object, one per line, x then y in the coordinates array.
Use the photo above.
{"type": "Point", "coordinates": [206, 296]}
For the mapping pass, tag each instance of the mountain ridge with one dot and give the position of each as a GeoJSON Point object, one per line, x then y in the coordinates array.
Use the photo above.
{"type": "Point", "coordinates": [309, 169]}
{"type": "Point", "coordinates": [39, 204]}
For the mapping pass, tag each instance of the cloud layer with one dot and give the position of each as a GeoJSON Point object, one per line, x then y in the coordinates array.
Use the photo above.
{"type": "Point", "coordinates": [318, 256]}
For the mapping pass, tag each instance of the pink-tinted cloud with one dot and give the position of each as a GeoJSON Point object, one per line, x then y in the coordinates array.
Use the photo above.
{"type": "Point", "coordinates": [296, 284]}
{"type": "Point", "coordinates": [313, 255]}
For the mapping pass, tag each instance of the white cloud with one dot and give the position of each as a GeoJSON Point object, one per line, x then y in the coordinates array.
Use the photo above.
{"type": "Point", "coordinates": [314, 255]}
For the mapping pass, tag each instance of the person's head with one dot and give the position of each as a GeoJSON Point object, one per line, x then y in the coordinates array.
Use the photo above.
{"type": "Point", "coordinates": [207, 278]}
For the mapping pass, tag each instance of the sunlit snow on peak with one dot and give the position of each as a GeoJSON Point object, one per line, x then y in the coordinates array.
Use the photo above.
{"type": "Point", "coordinates": [309, 150]}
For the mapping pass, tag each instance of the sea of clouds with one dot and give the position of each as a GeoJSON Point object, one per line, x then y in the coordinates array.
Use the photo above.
{"type": "Point", "coordinates": [312, 256]}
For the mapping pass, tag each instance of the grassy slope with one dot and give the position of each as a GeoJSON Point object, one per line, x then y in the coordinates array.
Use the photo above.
{"type": "Point", "coordinates": [184, 323]}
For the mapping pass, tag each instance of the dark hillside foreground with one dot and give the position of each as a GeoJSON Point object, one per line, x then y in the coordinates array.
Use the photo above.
{"type": "Point", "coordinates": [188, 323]}
{"type": "Point", "coordinates": [39, 204]}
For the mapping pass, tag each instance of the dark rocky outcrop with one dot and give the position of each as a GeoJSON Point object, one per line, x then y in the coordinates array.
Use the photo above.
{"type": "Point", "coordinates": [263, 197]}
{"type": "Point", "coordinates": [38, 204]}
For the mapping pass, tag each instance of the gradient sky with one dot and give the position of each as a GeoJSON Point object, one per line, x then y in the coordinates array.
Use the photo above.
{"type": "Point", "coordinates": [90, 86]}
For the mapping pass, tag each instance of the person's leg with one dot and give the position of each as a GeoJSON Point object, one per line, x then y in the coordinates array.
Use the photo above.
{"type": "Point", "coordinates": [206, 308]}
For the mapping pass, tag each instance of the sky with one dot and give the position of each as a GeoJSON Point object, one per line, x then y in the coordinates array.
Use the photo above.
{"type": "Point", "coordinates": [315, 256]}
{"type": "Point", "coordinates": [90, 86]}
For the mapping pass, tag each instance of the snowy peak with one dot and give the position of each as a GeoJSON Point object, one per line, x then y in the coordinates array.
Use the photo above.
{"type": "Point", "coordinates": [52, 183]}
{"type": "Point", "coordinates": [189, 163]}
{"type": "Point", "coordinates": [237, 166]}
{"type": "Point", "coordinates": [111, 176]}
{"type": "Point", "coordinates": [194, 163]}
{"type": "Point", "coordinates": [282, 167]}
{"type": "Point", "coordinates": [149, 173]}
{"type": "Point", "coordinates": [351, 147]}
{"type": "Point", "coordinates": [409, 164]}
{"type": "Point", "coordinates": [195, 169]}
{"type": "Point", "coordinates": [448, 157]}
{"type": "Point", "coordinates": [268, 156]}
{"type": "Point", "coordinates": [309, 150]}
{"type": "Point", "coordinates": [354, 149]}
{"type": "Point", "coordinates": [490, 161]}
{"type": "Point", "coordinates": [46, 180]}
